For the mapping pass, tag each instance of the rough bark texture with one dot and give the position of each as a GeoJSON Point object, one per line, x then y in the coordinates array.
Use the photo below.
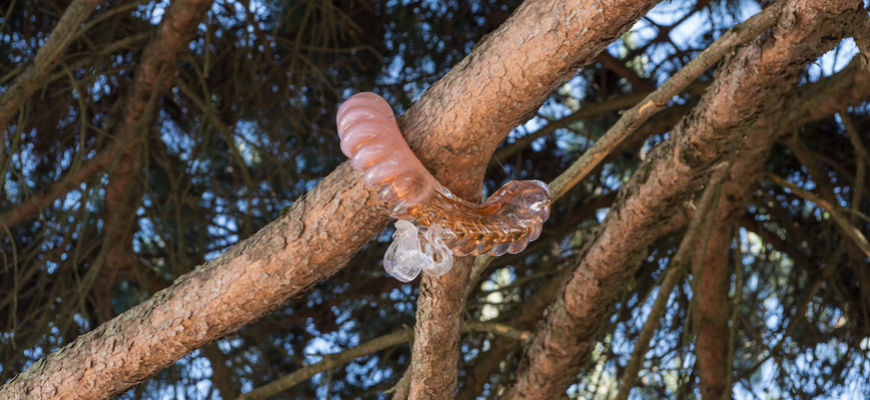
{"type": "Point", "coordinates": [159, 61]}
{"type": "Point", "coordinates": [455, 126]}
{"type": "Point", "coordinates": [436, 346]}
{"type": "Point", "coordinates": [817, 100]}
{"type": "Point", "coordinates": [749, 84]}
{"type": "Point", "coordinates": [283, 259]}
{"type": "Point", "coordinates": [505, 78]}
{"type": "Point", "coordinates": [711, 270]}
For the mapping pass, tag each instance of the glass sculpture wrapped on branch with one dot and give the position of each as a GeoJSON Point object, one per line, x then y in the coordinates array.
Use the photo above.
{"type": "Point", "coordinates": [434, 224]}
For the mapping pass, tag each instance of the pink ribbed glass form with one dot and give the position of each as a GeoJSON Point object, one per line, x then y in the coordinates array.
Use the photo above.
{"type": "Point", "coordinates": [505, 223]}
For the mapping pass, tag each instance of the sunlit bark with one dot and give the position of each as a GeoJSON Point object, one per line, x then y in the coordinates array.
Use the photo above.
{"type": "Point", "coordinates": [747, 86]}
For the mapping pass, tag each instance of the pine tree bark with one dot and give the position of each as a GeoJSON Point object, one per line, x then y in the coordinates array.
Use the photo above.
{"type": "Point", "coordinates": [750, 83]}
{"type": "Point", "coordinates": [454, 128]}
{"type": "Point", "coordinates": [124, 190]}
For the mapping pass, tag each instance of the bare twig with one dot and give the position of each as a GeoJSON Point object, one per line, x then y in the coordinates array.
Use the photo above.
{"type": "Point", "coordinates": [657, 100]}
{"type": "Point", "coordinates": [860, 165]}
{"type": "Point", "coordinates": [47, 58]}
{"type": "Point", "coordinates": [331, 361]}
{"type": "Point", "coordinates": [678, 267]}
{"type": "Point", "coordinates": [848, 229]}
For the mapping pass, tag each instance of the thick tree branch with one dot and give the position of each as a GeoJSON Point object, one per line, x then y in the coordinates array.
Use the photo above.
{"type": "Point", "coordinates": [696, 234]}
{"type": "Point", "coordinates": [512, 71]}
{"type": "Point", "coordinates": [658, 100]}
{"type": "Point", "coordinates": [152, 78]}
{"type": "Point", "coordinates": [711, 276]}
{"type": "Point", "coordinates": [454, 127]}
{"type": "Point", "coordinates": [749, 84]}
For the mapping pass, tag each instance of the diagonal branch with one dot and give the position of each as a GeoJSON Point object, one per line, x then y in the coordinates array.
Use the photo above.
{"type": "Point", "coordinates": [454, 128]}
{"type": "Point", "coordinates": [152, 78]}
{"type": "Point", "coordinates": [747, 86]}
{"type": "Point", "coordinates": [47, 58]}
{"type": "Point", "coordinates": [519, 67]}
{"type": "Point", "coordinates": [676, 272]}
{"type": "Point", "coordinates": [658, 99]}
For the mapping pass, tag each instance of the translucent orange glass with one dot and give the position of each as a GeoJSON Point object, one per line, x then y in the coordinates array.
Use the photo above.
{"type": "Point", "coordinates": [434, 218]}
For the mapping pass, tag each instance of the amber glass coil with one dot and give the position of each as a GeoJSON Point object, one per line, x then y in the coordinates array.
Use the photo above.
{"type": "Point", "coordinates": [506, 222]}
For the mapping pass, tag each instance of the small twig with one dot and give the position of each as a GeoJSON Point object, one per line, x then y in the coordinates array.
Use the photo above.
{"type": "Point", "coordinates": [48, 56]}
{"type": "Point", "coordinates": [860, 167]}
{"type": "Point", "coordinates": [845, 226]}
{"type": "Point", "coordinates": [676, 271]}
{"type": "Point", "coordinates": [331, 361]}
{"type": "Point", "coordinates": [658, 99]}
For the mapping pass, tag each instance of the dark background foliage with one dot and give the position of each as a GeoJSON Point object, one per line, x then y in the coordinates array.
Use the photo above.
{"type": "Point", "coordinates": [248, 127]}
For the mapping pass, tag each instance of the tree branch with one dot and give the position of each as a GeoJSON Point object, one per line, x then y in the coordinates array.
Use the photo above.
{"type": "Point", "coordinates": [676, 271]}
{"type": "Point", "coordinates": [658, 100]}
{"type": "Point", "coordinates": [152, 79]}
{"type": "Point", "coordinates": [747, 86]}
{"type": "Point", "coordinates": [47, 58]}
{"type": "Point", "coordinates": [574, 36]}
{"type": "Point", "coordinates": [454, 128]}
